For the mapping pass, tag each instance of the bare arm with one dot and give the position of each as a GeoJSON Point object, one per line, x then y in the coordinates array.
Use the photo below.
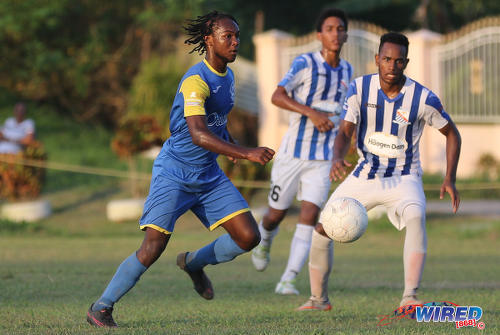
{"type": "Point", "coordinates": [231, 140]}
{"type": "Point", "coordinates": [320, 120]}
{"type": "Point", "coordinates": [340, 149]}
{"type": "Point", "coordinates": [453, 144]}
{"type": "Point", "coordinates": [26, 140]}
{"type": "Point", "coordinates": [203, 137]}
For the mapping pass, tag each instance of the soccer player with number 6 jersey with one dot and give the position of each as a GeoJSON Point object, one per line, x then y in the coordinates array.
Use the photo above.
{"type": "Point", "coordinates": [388, 112]}
{"type": "Point", "coordinates": [313, 90]}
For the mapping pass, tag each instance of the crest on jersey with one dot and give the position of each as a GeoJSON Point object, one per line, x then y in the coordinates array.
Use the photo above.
{"type": "Point", "coordinates": [402, 117]}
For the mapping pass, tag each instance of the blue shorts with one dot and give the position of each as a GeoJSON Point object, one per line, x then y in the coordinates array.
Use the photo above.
{"type": "Point", "coordinates": [176, 188]}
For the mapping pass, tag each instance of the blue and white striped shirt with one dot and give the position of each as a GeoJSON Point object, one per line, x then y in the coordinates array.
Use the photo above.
{"type": "Point", "coordinates": [313, 82]}
{"type": "Point", "coordinates": [389, 130]}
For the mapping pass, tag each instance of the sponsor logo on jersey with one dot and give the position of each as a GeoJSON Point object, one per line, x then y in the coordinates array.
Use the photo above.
{"type": "Point", "coordinates": [216, 89]}
{"type": "Point", "coordinates": [385, 145]}
{"type": "Point", "coordinates": [216, 120]}
{"type": "Point", "coordinates": [328, 107]}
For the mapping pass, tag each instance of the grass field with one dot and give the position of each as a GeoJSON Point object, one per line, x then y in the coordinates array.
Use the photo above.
{"type": "Point", "coordinates": [50, 272]}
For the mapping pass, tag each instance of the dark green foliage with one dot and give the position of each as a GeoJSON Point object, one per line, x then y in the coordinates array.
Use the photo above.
{"type": "Point", "coordinates": [154, 88]}
{"type": "Point", "coordinates": [83, 55]}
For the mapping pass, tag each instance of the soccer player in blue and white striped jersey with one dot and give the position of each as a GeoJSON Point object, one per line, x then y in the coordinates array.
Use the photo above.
{"type": "Point", "coordinates": [313, 90]}
{"type": "Point", "coordinates": [388, 112]}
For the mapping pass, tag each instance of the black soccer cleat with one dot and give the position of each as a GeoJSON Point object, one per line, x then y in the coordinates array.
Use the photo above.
{"type": "Point", "coordinates": [202, 284]}
{"type": "Point", "coordinates": [102, 318]}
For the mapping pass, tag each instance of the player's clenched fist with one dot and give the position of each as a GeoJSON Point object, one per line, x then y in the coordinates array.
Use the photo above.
{"type": "Point", "coordinates": [260, 155]}
{"type": "Point", "coordinates": [321, 120]}
{"type": "Point", "coordinates": [338, 169]}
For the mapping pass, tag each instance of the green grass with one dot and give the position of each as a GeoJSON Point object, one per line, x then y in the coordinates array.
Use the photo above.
{"type": "Point", "coordinates": [51, 271]}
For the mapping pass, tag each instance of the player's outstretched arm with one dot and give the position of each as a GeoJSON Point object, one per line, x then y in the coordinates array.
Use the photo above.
{"type": "Point", "coordinates": [203, 137]}
{"type": "Point", "coordinates": [453, 144]}
{"type": "Point", "coordinates": [320, 119]}
{"type": "Point", "coordinates": [340, 149]}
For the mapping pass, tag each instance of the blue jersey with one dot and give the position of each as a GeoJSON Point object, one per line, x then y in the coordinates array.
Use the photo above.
{"type": "Point", "coordinates": [202, 91]}
{"type": "Point", "coordinates": [389, 130]}
{"type": "Point", "coordinates": [314, 83]}
{"type": "Point", "coordinates": [186, 176]}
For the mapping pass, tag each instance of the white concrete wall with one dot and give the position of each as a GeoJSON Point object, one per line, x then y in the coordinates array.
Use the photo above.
{"type": "Point", "coordinates": [476, 141]}
{"type": "Point", "coordinates": [267, 55]}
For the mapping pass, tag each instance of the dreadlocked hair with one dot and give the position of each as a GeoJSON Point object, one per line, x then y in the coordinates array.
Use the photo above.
{"type": "Point", "coordinates": [203, 26]}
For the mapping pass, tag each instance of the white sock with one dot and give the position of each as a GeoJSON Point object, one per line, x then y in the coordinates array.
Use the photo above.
{"type": "Point", "coordinates": [415, 248]}
{"type": "Point", "coordinates": [267, 236]}
{"type": "Point", "coordinates": [299, 250]}
{"type": "Point", "coordinates": [320, 265]}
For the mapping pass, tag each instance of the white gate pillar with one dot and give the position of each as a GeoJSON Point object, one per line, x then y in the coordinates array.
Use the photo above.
{"type": "Point", "coordinates": [268, 47]}
{"type": "Point", "coordinates": [424, 68]}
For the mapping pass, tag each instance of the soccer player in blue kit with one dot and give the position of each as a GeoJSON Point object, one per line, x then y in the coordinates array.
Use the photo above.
{"type": "Point", "coordinates": [186, 175]}
{"type": "Point", "coordinates": [387, 112]}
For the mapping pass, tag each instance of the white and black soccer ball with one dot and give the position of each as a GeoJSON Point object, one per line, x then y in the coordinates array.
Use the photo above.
{"type": "Point", "coordinates": [344, 219]}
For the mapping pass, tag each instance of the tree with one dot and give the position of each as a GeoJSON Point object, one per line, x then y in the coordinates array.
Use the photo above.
{"type": "Point", "coordinates": [82, 55]}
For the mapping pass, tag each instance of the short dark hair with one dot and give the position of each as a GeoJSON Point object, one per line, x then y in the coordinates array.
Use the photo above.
{"type": "Point", "coordinates": [203, 26]}
{"type": "Point", "coordinates": [396, 38]}
{"type": "Point", "coordinates": [329, 12]}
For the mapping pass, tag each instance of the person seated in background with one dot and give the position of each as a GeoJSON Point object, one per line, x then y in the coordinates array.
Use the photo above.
{"type": "Point", "coordinates": [17, 132]}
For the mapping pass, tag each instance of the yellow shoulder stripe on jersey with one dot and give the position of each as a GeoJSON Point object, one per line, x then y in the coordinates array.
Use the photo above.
{"type": "Point", "coordinates": [227, 218]}
{"type": "Point", "coordinates": [214, 70]}
{"type": "Point", "coordinates": [195, 92]}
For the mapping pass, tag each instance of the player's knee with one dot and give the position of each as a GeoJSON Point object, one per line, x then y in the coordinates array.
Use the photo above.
{"type": "Point", "coordinates": [416, 237]}
{"type": "Point", "coordinates": [308, 213]}
{"type": "Point", "coordinates": [151, 249]}
{"type": "Point", "coordinates": [248, 239]}
{"type": "Point", "coordinates": [273, 218]}
{"type": "Point", "coordinates": [413, 214]}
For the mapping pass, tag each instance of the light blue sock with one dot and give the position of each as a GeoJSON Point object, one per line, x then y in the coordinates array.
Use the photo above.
{"type": "Point", "coordinates": [222, 250]}
{"type": "Point", "coordinates": [127, 274]}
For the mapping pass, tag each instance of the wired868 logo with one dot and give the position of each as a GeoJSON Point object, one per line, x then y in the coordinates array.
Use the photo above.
{"type": "Point", "coordinates": [462, 316]}
{"type": "Point", "coordinates": [445, 311]}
